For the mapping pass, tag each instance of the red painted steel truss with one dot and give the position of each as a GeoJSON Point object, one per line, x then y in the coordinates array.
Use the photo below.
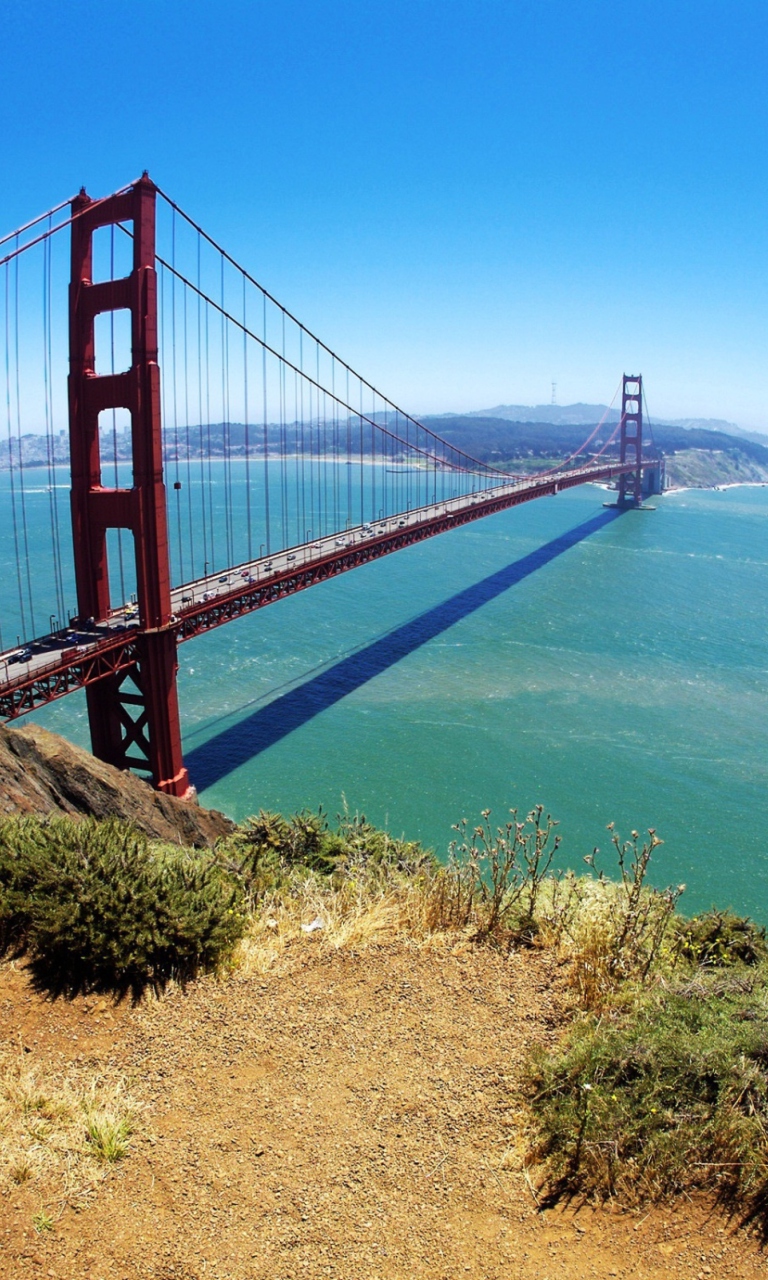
{"type": "Point", "coordinates": [65, 675]}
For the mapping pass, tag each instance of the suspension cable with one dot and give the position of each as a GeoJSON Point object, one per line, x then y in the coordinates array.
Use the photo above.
{"type": "Point", "coordinates": [60, 226]}
{"type": "Point", "coordinates": [476, 465]}
{"type": "Point", "coordinates": [200, 413]}
{"type": "Point", "coordinates": [303, 328]}
{"type": "Point", "coordinates": [11, 451]}
{"type": "Point", "coordinates": [49, 435]}
{"type": "Point", "coordinates": [34, 221]}
{"type": "Point", "coordinates": [22, 490]}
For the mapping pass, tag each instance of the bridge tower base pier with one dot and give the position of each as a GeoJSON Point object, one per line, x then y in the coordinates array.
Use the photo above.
{"type": "Point", "coordinates": [654, 478]}
{"type": "Point", "coordinates": [133, 716]}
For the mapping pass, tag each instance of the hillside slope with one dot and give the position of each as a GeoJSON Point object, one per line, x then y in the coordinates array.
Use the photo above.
{"type": "Point", "coordinates": [42, 773]}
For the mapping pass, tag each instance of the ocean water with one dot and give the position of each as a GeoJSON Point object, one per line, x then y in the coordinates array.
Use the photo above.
{"type": "Point", "coordinates": [611, 667]}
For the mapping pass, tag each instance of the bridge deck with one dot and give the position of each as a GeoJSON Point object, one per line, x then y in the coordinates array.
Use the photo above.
{"type": "Point", "coordinates": [55, 665]}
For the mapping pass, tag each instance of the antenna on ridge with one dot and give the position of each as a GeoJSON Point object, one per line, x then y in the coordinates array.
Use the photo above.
{"type": "Point", "coordinates": [554, 393]}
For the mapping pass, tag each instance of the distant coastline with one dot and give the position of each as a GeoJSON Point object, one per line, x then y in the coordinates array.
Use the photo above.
{"type": "Point", "coordinates": [699, 454]}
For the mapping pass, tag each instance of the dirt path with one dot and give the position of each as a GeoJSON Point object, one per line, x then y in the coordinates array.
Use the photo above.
{"type": "Point", "coordinates": [352, 1117]}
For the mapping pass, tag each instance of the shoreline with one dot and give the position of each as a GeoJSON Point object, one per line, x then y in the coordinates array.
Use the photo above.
{"type": "Point", "coordinates": [717, 488]}
{"type": "Point", "coordinates": [413, 468]}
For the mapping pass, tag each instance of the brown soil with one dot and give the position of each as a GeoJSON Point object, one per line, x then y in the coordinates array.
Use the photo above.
{"type": "Point", "coordinates": [352, 1116]}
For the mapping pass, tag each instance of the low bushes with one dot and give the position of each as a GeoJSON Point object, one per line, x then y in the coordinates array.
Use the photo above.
{"type": "Point", "coordinates": [267, 850]}
{"type": "Point", "coordinates": [95, 904]}
{"type": "Point", "coordinates": [660, 1083]}
{"type": "Point", "coordinates": [663, 1092]}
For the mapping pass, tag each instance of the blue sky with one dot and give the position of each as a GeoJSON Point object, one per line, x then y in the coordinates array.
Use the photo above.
{"type": "Point", "coordinates": [465, 200]}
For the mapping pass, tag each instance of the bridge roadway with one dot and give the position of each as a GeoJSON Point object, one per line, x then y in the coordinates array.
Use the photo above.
{"type": "Point", "coordinates": [46, 669]}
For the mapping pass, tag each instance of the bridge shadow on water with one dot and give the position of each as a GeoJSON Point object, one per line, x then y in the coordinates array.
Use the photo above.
{"type": "Point", "coordinates": [221, 754]}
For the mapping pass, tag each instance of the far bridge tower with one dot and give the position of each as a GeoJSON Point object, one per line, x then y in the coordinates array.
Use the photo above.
{"type": "Point", "coordinates": [631, 482]}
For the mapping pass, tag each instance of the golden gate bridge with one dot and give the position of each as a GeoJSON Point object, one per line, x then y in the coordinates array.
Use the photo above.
{"type": "Point", "coordinates": [183, 518]}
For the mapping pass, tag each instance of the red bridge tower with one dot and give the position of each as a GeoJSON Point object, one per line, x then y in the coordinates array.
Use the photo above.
{"type": "Point", "coordinates": [142, 718]}
{"type": "Point", "coordinates": [631, 483]}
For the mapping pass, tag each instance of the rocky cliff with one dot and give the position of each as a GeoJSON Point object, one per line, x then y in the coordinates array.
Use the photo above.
{"type": "Point", "coordinates": [42, 773]}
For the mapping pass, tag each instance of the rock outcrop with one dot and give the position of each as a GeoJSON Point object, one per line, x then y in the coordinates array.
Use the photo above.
{"type": "Point", "coordinates": [41, 773]}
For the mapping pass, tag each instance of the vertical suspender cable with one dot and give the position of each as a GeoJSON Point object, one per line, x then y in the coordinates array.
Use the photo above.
{"type": "Point", "coordinates": [114, 412]}
{"type": "Point", "coordinates": [11, 472]}
{"type": "Point", "coordinates": [283, 471]}
{"type": "Point", "coordinates": [200, 408]}
{"type": "Point", "coordinates": [49, 429]}
{"type": "Point", "coordinates": [51, 400]}
{"type": "Point", "coordinates": [326, 501]}
{"type": "Point", "coordinates": [297, 458]}
{"type": "Point", "coordinates": [317, 501]}
{"type": "Point", "coordinates": [309, 517]}
{"type": "Point", "coordinates": [247, 429]}
{"type": "Point", "coordinates": [389, 504]}
{"type": "Point", "coordinates": [188, 468]}
{"type": "Point", "coordinates": [302, 457]}
{"type": "Point", "coordinates": [266, 428]}
{"type": "Point", "coordinates": [321, 478]}
{"type": "Point", "coordinates": [177, 481]}
{"type": "Point", "coordinates": [373, 454]}
{"type": "Point", "coordinates": [335, 446]}
{"type": "Point", "coordinates": [226, 423]}
{"type": "Point", "coordinates": [349, 454]}
{"type": "Point", "coordinates": [362, 486]}
{"type": "Point", "coordinates": [24, 526]}
{"type": "Point", "coordinates": [211, 513]}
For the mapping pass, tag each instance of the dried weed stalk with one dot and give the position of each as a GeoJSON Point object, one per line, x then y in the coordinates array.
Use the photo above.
{"type": "Point", "coordinates": [615, 929]}
{"type": "Point", "coordinates": [494, 878]}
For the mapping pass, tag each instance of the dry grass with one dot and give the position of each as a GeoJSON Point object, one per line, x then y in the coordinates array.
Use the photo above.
{"type": "Point", "coordinates": [59, 1132]}
{"type": "Point", "coordinates": [607, 929]}
{"type": "Point", "coordinates": [361, 910]}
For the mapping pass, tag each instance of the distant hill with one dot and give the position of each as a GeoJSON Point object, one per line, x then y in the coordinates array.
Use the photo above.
{"type": "Point", "coordinates": [560, 415]}
{"type": "Point", "coordinates": [588, 414]}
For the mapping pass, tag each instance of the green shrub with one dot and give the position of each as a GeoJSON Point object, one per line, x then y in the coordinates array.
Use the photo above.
{"type": "Point", "coordinates": [666, 1091]}
{"type": "Point", "coordinates": [357, 843]}
{"type": "Point", "coordinates": [264, 850]}
{"type": "Point", "coordinates": [267, 849]}
{"type": "Point", "coordinates": [721, 938]}
{"type": "Point", "coordinates": [95, 904]}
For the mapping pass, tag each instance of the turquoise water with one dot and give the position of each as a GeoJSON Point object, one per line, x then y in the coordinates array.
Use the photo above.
{"type": "Point", "coordinates": [620, 674]}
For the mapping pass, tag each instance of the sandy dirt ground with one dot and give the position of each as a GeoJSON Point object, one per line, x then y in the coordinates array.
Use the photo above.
{"type": "Point", "coordinates": [351, 1116]}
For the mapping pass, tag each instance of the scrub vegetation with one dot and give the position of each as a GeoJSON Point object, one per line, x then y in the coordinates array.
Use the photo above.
{"type": "Point", "coordinates": [95, 905]}
{"type": "Point", "coordinates": [658, 1083]}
